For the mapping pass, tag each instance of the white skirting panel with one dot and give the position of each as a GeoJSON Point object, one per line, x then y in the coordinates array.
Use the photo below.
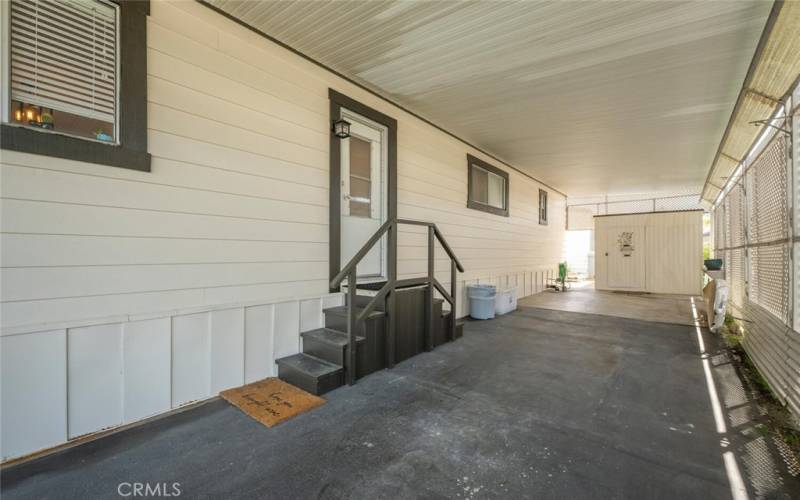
{"type": "Point", "coordinates": [33, 409]}
{"type": "Point", "coordinates": [146, 348]}
{"type": "Point", "coordinates": [94, 378]}
{"type": "Point", "coordinates": [62, 384]}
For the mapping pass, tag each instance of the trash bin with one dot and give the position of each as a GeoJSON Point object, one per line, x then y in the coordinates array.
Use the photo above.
{"type": "Point", "coordinates": [481, 301]}
{"type": "Point", "coordinates": [506, 301]}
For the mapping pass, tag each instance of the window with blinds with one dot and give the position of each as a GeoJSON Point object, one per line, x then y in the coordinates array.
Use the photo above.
{"type": "Point", "coordinates": [64, 66]}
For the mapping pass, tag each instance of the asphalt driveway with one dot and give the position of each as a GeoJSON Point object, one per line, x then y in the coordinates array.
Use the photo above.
{"type": "Point", "coordinates": [535, 404]}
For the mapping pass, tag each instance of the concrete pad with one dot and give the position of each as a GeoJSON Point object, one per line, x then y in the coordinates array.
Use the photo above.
{"type": "Point", "coordinates": [534, 404]}
{"type": "Point", "coordinates": [675, 309]}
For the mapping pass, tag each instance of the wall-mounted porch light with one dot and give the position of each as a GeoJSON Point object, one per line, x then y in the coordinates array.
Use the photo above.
{"type": "Point", "coordinates": [341, 128]}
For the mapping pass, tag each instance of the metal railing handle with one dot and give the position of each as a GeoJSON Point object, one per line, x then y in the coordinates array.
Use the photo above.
{"type": "Point", "coordinates": [388, 289]}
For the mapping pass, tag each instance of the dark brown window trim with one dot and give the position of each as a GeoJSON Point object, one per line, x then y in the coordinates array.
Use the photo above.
{"type": "Point", "coordinates": [337, 102]}
{"type": "Point", "coordinates": [543, 220]}
{"type": "Point", "coordinates": [472, 160]}
{"type": "Point", "coordinates": [132, 114]}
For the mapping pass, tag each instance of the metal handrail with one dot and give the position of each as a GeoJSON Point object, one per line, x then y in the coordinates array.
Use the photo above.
{"type": "Point", "coordinates": [392, 283]}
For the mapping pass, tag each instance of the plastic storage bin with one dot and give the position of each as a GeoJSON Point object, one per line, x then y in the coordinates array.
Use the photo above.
{"type": "Point", "coordinates": [505, 301]}
{"type": "Point", "coordinates": [481, 301]}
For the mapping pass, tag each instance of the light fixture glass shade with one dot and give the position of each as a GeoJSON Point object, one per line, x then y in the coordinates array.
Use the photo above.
{"type": "Point", "coordinates": [341, 129]}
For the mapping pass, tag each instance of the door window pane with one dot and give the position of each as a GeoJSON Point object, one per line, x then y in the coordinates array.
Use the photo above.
{"type": "Point", "coordinates": [360, 178]}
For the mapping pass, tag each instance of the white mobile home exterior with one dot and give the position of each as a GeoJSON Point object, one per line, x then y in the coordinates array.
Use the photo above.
{"type": "Point", "coordinates": [126, 294]}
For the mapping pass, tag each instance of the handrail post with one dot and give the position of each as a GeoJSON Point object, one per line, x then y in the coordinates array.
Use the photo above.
{"type": "Point", "coordinates": [429, 333]}
{"type": "Point", "coordinates": [391, 302]}
{"type": "Point", "coordinates": [351, 327]}
{"type": "Point", "coordinates": [455, 301]}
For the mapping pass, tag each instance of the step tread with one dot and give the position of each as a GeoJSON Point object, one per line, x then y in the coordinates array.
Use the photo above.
{"type": "Point", "coordinates": [342, 310]}
{"type": "Point", "coordinates": [330, 336]}
{"type": "Point", "coordinates": [311, 365]}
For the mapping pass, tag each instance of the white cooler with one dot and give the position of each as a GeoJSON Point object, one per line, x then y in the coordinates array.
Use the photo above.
{"type": "Point", "coordinates": [505, 301]}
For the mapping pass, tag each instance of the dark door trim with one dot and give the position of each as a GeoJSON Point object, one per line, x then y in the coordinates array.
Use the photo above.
{"type": "Point", "coordinates": [337, 102]}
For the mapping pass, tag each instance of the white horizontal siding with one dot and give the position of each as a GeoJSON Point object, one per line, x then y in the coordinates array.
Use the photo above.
{"type": "Point", "coordinates": [236, 205]}
{"type": "Point", "coordinates": [151, 290]}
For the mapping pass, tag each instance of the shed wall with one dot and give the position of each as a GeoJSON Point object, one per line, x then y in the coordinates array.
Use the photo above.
{"type": "Point", "coordinates": [673, 250]}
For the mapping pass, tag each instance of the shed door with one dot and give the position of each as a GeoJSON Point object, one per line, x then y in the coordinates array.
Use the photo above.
{"type": "Point", "coordinates": [626, 262]}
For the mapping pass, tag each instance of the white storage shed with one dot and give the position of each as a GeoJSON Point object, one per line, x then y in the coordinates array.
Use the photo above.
{"type": "Point", "coordinates": [659, 252]}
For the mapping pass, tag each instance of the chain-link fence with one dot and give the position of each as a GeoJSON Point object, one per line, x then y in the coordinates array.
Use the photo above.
{"type": "Point", "coordinates": [753, 234]}
{"type": "Point", "coordinates": [579, 216]}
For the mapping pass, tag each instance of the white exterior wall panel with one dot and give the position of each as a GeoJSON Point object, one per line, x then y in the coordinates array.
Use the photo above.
{"type": "Point", "coordinates": [217, 258]}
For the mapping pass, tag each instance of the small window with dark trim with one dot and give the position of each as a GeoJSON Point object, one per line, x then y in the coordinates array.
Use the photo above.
{"type": "Point", "coordinates": [487, 187]}
{"type": "Point", "coordinates": [542, 207]}
{"type": "Point", "coordinates": [63, 94]}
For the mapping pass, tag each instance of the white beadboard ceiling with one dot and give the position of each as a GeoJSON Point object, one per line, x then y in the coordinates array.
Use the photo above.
{"type": "Point", "coordinates": [591, 97]}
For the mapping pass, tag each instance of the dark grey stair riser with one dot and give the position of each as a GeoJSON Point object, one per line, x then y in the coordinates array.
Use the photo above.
{"type": "Point", "coordinates": [329, 352]}
{"type": "Point", "coordinates": [371, 354]}
{"type": "Point", "coordinates": [336, 320]}
{"type": "Point", "coordinates": [323, 350]}
{"type": "Point", "coordinates": [309, 383]}
{"type": "Point", "coordinates": [459, 330]}
{"type": "Point", "coordinates": [363, 300]}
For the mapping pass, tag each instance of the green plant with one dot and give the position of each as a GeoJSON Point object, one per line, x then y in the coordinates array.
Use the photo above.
{"type": "Point", "coordinates": [756, 377]}
{"type": "Point", "coordinates": [732, 332]}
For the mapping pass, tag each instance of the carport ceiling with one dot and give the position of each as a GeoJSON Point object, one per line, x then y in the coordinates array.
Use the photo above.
{"type": "Point", "coordinates": [591, 97]}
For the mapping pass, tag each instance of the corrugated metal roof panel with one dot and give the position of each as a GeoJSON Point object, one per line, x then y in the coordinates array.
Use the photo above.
{"type": "Point", "coordinates": [772, 74]}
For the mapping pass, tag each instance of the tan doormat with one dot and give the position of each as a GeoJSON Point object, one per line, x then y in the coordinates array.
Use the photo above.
{"type": "Point", "coordinates": [271, 401]}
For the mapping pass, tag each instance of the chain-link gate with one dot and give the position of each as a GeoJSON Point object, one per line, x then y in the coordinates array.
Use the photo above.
{"type": "Point", "coordinates": [579, 216]}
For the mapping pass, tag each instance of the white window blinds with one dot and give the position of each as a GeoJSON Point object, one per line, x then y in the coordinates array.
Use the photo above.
{"type": "Point", "coordinates": [64, 56]}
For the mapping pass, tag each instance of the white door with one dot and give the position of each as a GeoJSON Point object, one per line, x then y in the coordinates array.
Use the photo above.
{"type": "Point", "coordinates": [626, 261]}
{"type": "Point", "coordinates": [363, 192]}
